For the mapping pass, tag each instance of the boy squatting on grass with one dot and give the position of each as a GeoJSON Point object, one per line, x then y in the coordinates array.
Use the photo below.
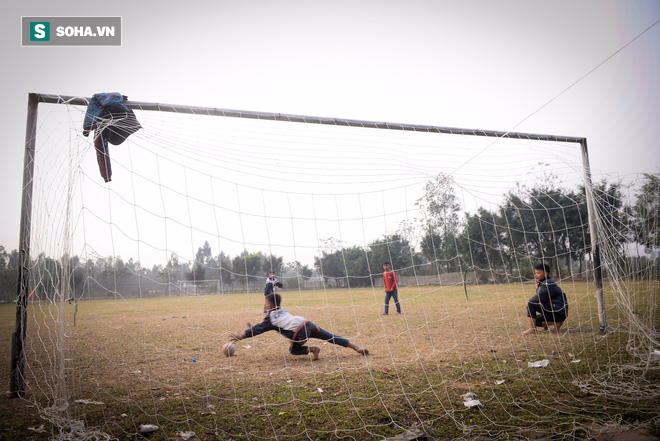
{"type": "Point", "coordinates": [295, 328]}
{"type": "Point", "coordinates": [549, 305]}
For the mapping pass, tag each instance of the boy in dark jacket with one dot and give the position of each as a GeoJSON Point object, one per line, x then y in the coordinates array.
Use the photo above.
{"type": "Point", "coordinates": [295, 328]}
{"type": "Point", "coordinates": [271, 285]}
{"type": "Point", "coordinates": [549, 305]}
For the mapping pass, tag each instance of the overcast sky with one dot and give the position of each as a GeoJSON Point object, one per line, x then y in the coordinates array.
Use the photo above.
{"type": "Point", "coordinates": [499, 65]}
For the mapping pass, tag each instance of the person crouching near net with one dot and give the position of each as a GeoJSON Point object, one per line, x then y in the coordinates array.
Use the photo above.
{"type": "Point", "coordinates": [295, 328]}
{"type": "Point", "coordinates": [549, 305]}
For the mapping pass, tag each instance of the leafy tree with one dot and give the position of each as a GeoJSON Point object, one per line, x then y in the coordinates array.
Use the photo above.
{"type": "Point", "coordinates": [155, 271]}
{"type": "Point", "coordinates": [13, 259]}
{"type": "Point", "coordinates": [349, 263]}
{"type": "Point", "coordinates": [550, 223]}
{"type": "Point", "coordinates": [579, 240]}
{"type": "Point", "coordinates": [330, 264]}
{"type": "Point", "coordinates": [439, 208]}
{"type": "Point", "coordinates": [646, 212]}
{"type": "Point", "coordinates": [391, 248]}
{"type": "Point", "coordinates": [613, 218]}
{"type": "Point", "coordinates": [515, 220]}
{"type": "Point", "coordinates": [481, 240]}
{"type": "Point", "coordinates": [114, 274]}
{"type": "Point", "coordinates": [76, 275]}
{"type": "Point", "coordinates": [356, 260]}
{"type": "Point", "coordinates": [550, 236]}
{"type": "Point", "coordinates": [254, 264]}
{"type": "Point", "coordinates": [136, 268]}
{"type": "Point", "coordinates": [248, 267]}
{"type": "Point", "coordinates": [300, 269]}
{"type": "Point", "coordinates": [85, 276]}
{"type": "Point", "coordinates": [224, 267]}
{"type": "Point", "coordinates": [296, 273]}
{"type": "Point", "coordinates": [170, 272]}
{"type": "Point", "coordinates": [272, 263]}
{"type": "Point", "coordinates": [441, 250]}
{"type": "Point", "coordinates": [8, 284]}
{"type": "Point", "coordinates": [609, 204]}
{"type": "Point", "coordinates": [535, 224]}
{"type": "Point", "coordinates": [202, 259]}
{"type": "Point", "coordinates": [8, 275]}
{"type": "Point", "coordinates": [4, 258]}
{"type": "Point", "coordinates": [46, 278]}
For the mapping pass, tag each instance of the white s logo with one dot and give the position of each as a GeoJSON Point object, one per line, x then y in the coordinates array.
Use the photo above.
{"type": "Point", "coordinates": [39, 31]}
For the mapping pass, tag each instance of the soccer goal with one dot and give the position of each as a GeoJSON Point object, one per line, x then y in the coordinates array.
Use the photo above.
{"type": "Point", "coordinates": [139, 261]}
{"type": "Point", "coordinates": [196, 287]}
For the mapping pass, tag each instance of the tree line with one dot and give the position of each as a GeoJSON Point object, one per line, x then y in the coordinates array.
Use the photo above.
{"type": "Point", "coordinates": [546, 222]}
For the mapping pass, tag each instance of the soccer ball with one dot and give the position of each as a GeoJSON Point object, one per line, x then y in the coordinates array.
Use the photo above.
{"type": "Point", "coordinates": [228, 349]}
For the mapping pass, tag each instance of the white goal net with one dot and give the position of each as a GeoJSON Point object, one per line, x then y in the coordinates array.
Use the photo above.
{"type": "Point", "coordinates": [136, 284]}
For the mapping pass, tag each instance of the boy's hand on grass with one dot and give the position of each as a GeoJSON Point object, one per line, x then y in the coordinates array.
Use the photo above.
{"type": "Point", "coordinates": [236, 337]}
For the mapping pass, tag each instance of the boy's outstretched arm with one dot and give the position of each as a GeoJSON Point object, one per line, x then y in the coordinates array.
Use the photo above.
{"type": "Point", "coordinates": [255, 330]}
{"type": "Point", "coordinates": [237, 337]}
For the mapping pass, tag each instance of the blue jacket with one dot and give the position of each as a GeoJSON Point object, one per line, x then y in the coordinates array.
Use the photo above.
{"type": "Point", "coordinates": [551, 296]}
{"type": "Point", "coordinates": [270, 286]}
{"type": "Point", "coordinates": [112, 122]}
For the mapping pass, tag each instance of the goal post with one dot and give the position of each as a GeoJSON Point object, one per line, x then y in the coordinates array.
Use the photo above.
{"type": "Point", "coordinates": [17, 386]}
{"type": "Point", "coordinates": [595, 246]}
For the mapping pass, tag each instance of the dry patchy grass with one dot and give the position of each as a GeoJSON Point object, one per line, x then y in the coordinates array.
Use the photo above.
{"type": "Point", "coordinates": [158, 361]}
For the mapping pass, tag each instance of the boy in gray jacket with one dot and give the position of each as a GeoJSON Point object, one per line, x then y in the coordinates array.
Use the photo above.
{"type": "Point", "coordinates": [295, 328]}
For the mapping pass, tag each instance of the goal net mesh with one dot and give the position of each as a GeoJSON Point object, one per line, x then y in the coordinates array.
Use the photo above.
{"type": "Point", "coordinates": [137, 283]}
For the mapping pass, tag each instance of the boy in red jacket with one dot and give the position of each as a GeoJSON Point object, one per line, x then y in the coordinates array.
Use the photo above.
{"type": "Point", "coordinates": [391, 291]}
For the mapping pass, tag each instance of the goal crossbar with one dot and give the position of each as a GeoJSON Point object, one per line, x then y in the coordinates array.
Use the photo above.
{"type": "Point", "coordinates": [214, 111]}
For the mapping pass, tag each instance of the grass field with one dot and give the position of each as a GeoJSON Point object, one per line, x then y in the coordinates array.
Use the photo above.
{"type": "Point", "coordinates": [158, 361]}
